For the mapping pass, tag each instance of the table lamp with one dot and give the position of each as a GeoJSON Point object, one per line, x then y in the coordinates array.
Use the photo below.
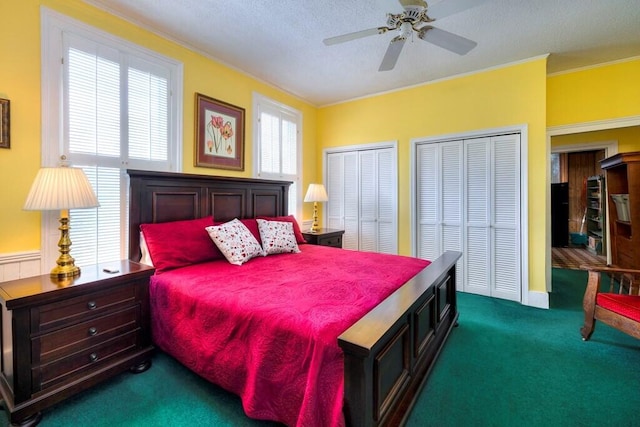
{"type": "Point", "coordinates": [61, 188]}
{"type": "Point", "coordinates": [315, 193]}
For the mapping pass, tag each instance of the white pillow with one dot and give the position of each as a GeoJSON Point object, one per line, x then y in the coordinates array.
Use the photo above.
{"type": "Point", "coordinates": [277, 237]}
{"type": "Point", "coordinates": [145, 257]}
{"type": "Point", "coordinates": [235, 241]}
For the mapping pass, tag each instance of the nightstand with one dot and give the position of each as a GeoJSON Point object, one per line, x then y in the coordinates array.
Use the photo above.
{"type": "Point", "coordinates": [60, 340]}
{"type": "Point", "coordinates": [324, 237]}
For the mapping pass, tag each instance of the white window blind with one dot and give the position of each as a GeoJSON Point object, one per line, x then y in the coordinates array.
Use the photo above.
{"type": "Point", "coordinates": [118, 112]}
{"type": "Point", "coordinates": [277, 146]}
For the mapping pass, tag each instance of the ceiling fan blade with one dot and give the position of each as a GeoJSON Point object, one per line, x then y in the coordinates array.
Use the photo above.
{"type": "Point", "coordinates": [446, 40]}
{"type": "Point", "coordinates": [449, 7]}
{"type": "Point", "coordinates": [392, 54]}
{"type": "Point", "coordinates": [356, 35]}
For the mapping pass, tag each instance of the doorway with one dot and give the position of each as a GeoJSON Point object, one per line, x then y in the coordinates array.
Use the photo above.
{"type": "Point", "coordinates": [587, 137]}
{"type": "Point", "coordinates": [578, 212]}
{"type": "Point", "coordinates": [578, 207]}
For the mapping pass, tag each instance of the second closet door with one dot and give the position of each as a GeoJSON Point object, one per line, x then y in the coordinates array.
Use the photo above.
{"type": "Point", "coordinates": [362, 189]}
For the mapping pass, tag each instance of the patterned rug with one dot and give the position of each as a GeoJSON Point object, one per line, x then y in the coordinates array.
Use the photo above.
{"type": "Point", "coordinates": [573, 258]}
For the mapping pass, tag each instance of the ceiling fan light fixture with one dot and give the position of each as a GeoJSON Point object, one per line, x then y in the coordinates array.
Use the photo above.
{"type": "Point", "coordinates": [406, 30]}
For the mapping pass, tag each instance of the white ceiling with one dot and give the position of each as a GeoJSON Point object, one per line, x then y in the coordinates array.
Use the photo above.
{"type": "Point", "coordinates": [280, 41]}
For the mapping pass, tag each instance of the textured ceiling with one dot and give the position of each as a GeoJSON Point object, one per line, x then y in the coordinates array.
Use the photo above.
{"type": "Point", "coordinates": [280, 41]}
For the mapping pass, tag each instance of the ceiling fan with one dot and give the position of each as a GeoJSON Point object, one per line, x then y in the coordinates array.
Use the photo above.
{"type": "Point", "coordinates": [417, 16]}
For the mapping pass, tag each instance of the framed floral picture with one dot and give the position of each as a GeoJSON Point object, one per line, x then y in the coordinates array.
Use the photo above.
{"type": "Point", "coordinates": [219, 134]}
{"type": "Point", "coordinates": [4, 124]}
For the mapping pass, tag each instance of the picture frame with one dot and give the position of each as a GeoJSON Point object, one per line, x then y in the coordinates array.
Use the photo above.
{"type": "Point", "coordinates": [219, 134]}
{"type": "Point", "coordinates": [5, 134]}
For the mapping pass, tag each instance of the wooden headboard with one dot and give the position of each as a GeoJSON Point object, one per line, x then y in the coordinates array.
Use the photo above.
{"type": "Point", "coordinates": [164, 196]}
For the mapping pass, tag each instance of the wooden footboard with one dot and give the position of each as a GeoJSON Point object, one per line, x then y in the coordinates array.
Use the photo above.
{"type": "Point", "coordinates": [390, 351]}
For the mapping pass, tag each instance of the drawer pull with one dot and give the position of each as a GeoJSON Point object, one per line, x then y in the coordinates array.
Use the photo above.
{"type": "Point", "coordinates": [93, 357]}
{"type": "Point", "coordinates": [92, 331]}
{"type": "Point", "coordinates": [91, 305]}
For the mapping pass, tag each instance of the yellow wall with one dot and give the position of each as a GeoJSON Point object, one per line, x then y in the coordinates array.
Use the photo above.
{"type": "Point", "coordinates": [607, 92]}
{"type": "Point", "coordinates": [594, 94]}
{"type": "Point", "coordinates": [20, 82]}
{"type": "Point", "coordinates": [508, 96]}
{"type": "Point", "coordinates": [511, 95]}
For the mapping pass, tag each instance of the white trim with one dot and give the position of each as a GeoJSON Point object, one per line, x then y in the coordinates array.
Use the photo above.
{"type": "Point", "coordinates": [593, 126]}
{"type": "Point", "coordinates": [610, 148]}
{"type": "Point", "coordinates": [19, 257]}
{"type": "Point", "coordinates": [258, 101]}
{"type": "Point", "coordinates": [538, 299]}
{"type": "Point", "coordinates": [19, 265]}
{"type": "Point", "coordinates": [360, 147]}
{"type": "Point", "coordinates": [523, 130]}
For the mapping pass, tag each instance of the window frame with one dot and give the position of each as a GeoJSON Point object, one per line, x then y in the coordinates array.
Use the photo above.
{"type": "Point", "coordinates": [53, 26]}
{"type": "Point", "coordinates": [259, 103]}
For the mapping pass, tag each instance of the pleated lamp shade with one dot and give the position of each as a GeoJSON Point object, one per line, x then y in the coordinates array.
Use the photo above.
{"type": "Point", "coordinates": [316, 193]}
{"type": "Point", "coordinates": [60, 188]}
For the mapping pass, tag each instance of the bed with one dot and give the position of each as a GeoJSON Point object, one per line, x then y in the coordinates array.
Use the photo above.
{"type": "Point", "coordinates": [370, 363]}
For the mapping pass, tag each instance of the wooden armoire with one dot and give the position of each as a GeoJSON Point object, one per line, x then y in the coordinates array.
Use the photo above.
{"type": "Point", "coordinates": [623, 194]}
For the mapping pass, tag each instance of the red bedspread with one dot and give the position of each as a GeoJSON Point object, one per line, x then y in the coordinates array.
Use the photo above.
{"type": "Point", "coordinates": [267, 330]}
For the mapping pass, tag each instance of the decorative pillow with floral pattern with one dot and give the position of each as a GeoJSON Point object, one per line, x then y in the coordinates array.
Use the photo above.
{"type": "Point", "coordinates": [235, 241]}
{"type": "Point", "coordinates": [277, 237]}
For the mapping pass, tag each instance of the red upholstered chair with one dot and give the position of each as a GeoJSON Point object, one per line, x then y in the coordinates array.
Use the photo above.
{"type": "Point", "coordinates": [619, 306]}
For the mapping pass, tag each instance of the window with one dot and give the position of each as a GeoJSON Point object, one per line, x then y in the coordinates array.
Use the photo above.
{"type": "Point", "coordinates": [277, 147]}
{"type": "Point", "coordinates": [115, 106]}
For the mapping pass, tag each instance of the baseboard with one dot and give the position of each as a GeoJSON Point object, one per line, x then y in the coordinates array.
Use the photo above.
{"type": "Point", "coordinates": [19, 265]}
{"type": "Point", "coordinates": [538, 299]}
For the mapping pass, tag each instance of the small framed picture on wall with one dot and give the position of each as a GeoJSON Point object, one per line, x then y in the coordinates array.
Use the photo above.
{"type": "Point", "coordinates": [219, 134]}
{"type": "Point", "coordinates": [4, 124]}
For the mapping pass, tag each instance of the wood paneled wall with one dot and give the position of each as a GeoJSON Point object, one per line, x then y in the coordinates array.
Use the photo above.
{"type": "Point", "coordinates": [581, 165]}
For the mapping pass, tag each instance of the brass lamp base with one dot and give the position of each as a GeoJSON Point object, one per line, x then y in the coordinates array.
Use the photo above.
{"type": "Point", "coordinates": [65, 272]}
{"type": "Point", "coordinates": [314, 225]}
{"type": "Point", "coordinates": [65, 268]}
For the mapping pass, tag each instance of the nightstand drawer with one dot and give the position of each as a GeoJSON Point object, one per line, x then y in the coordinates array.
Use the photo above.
{"type": "Point", "coordinates": [91, 358]}
{"type": "Point", "coordinates": [66, 312]}
{"type": "Point", "coordinates": [66, 341]}
{"type": "Point", "coordinates": [334, 241]}
{"type": "Point", "coordinates": [325, 237]}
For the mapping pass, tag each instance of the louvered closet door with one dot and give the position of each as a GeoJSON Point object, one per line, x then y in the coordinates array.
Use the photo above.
{"type": "Point", "coordinates": [492, 216]}
{"type": "Point", "coordinates": [478, 201]}
{"type": "Point", "coordinates": [342, 190]}
{"type": "Point", "coordinates": [506, 217]}
{"type": "Point", "coordinates": [428, 199]}
{"type": "Point", "coordinates": [377, 231]}
{"type": "Point", "coordinates": [439, 207]}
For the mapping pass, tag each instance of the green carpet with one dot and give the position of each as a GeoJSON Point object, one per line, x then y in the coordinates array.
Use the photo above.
{"type": "Point", "coordinates": [504, 365]}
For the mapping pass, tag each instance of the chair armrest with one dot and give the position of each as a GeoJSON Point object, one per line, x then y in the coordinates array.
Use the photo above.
{"type": "Point", "coordinates": [609, 269]}
{"type": "Point", "coordinates": [626, 280]}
